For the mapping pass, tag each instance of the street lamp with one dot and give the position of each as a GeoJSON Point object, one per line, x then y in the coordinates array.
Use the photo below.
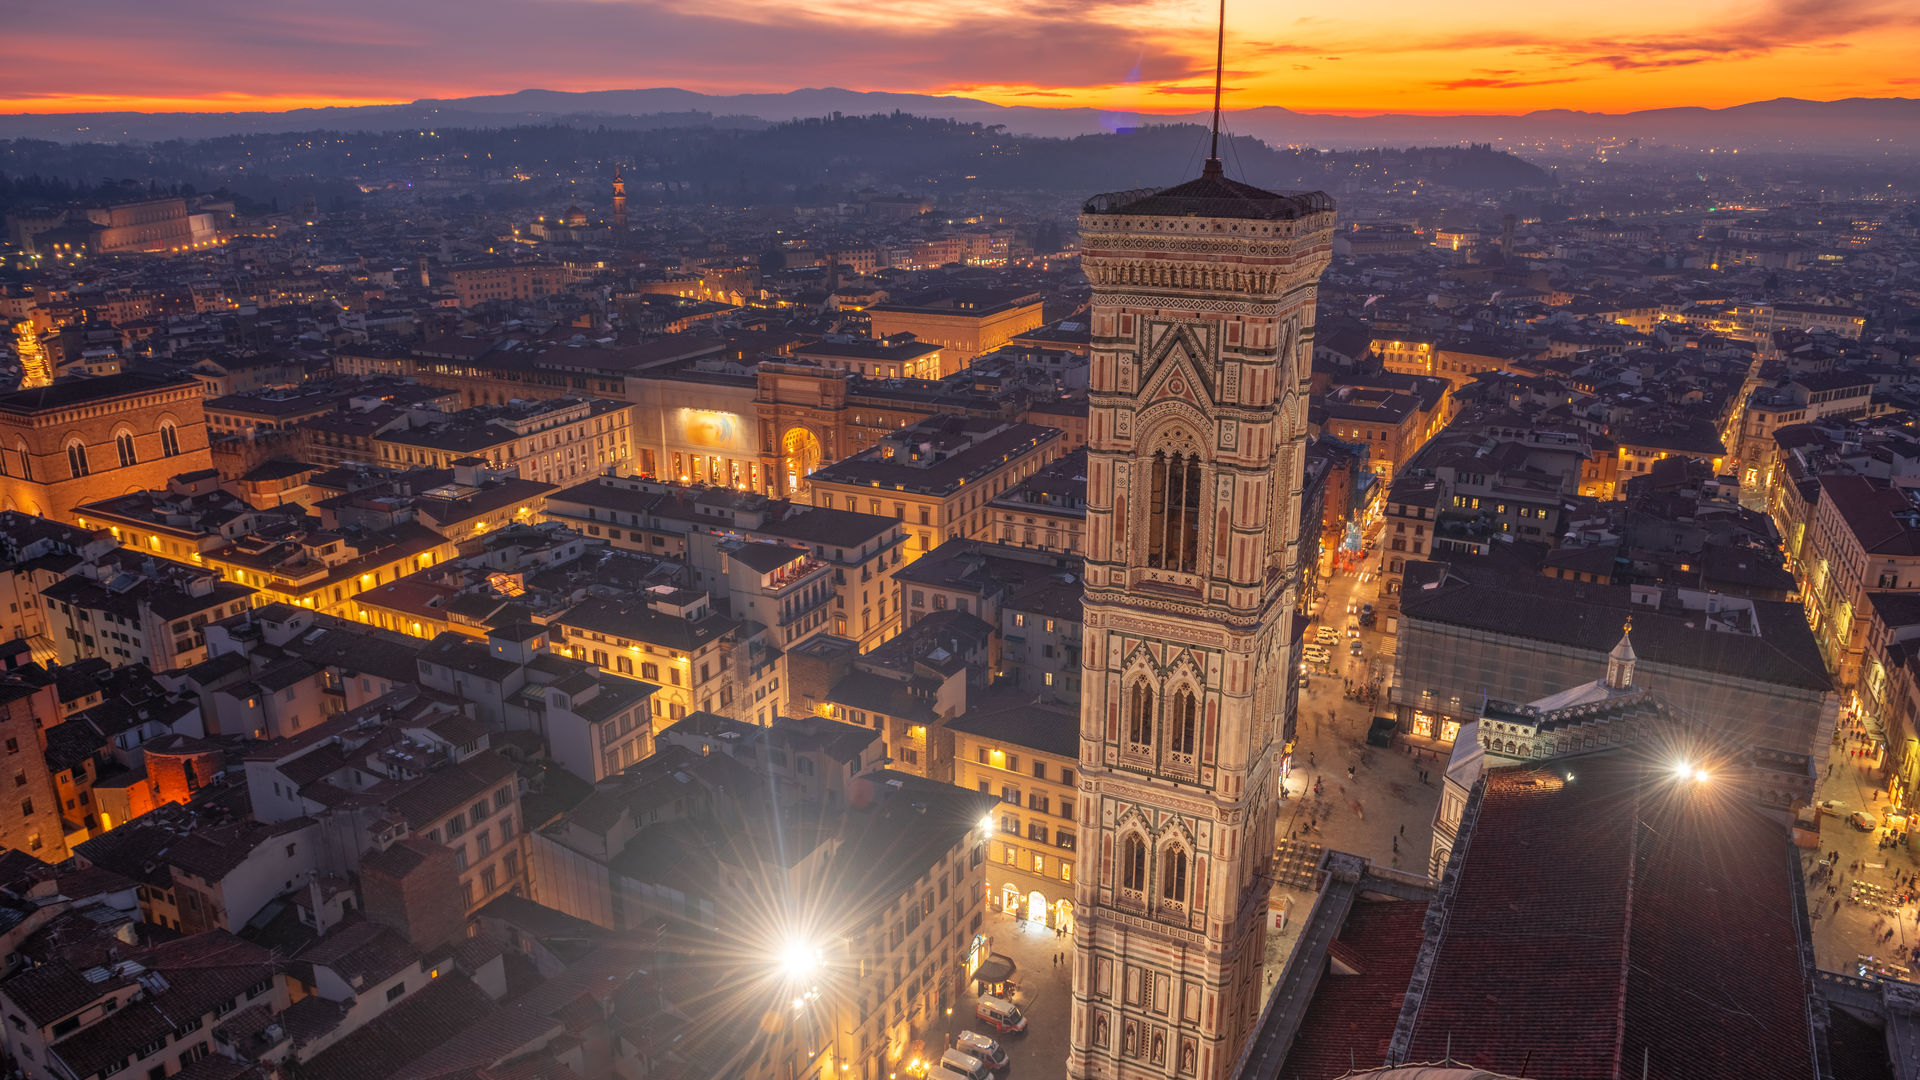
{"type": "Point", "coordinates": [798, 961]}
{"type": "Point", "coordinates": [1686, 770]}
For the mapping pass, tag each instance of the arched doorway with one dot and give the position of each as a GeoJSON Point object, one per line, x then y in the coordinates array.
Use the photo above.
{"type": "Point", "coordinates": [800, 454]}
{"type": "Point", "coordinates": [1037, 907]}
{"type": "Point", "coordinates": [1063, 916]}
{"type": "Point", "coordinates": [1010, 899]}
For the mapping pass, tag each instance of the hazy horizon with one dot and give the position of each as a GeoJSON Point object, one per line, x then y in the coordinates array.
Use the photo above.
{"type": "Point", "coordinates": [1487, 57]}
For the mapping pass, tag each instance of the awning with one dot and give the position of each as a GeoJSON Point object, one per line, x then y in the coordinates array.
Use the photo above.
{"type": "Point", "coordinates": [995, 968]}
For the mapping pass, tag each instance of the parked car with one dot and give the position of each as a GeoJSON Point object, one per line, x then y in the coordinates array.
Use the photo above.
{"type": "Point", "coordinates": [1305, 680]}
{"type": "Point", "coordinates": [1863, 821]}
{"type": "Point", "coordinates": [987, 1050]}
{"type": "Point", "coordinates": [1002, 1014]}
{"type": "Point", "coordinates": [965, 1065]}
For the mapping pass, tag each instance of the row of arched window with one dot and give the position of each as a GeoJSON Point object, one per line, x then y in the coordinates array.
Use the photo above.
{"type": "Point", "coordinates": [1182, 719]}
{"type": "Point", "coordinates": [1173, 512]}
{"type": "Point", "coordinates": [1172, 885]}
{"type": "Point", "coordinates": [78, 464]}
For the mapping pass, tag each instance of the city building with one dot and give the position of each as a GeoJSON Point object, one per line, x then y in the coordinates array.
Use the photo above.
{"type": "Point", "coordinates": [1865, 536]}
{"type": "Point", "coordinates": [962, 325]}
{"type": "Point", "coordinates": [127, 607]}
{"type": "Point", "coordinates": [691, 524]}
{"type": "Point", "coordinates": [1479, 627]}
{"type": "Point", "coordinates": [1203, 309]}
{"type": "Point", "coordinates": [76, 442]}
{"type": "Point", "coordinates": [152, 1011]}
{"type": "Point", "coordinates": [903, 357]}
{"type": "Point", "coordinates": [1047, 510]}
{"type": "Point", "coordinates": [479, 282]}
{"type": "Point", "coordinates": [938, 476]}
{"type": "Point", "coordinates": [1026, 756]}
{"type": "Point", "coordinates": [669, 637]}
{"type": "Point", "coordinates": [893, 870]}
{"type": "Point", "coordinates": [554, 441]}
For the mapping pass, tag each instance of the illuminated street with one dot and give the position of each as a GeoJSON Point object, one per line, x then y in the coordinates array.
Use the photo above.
{"type": "Point", "coordinates": [1843, 930]}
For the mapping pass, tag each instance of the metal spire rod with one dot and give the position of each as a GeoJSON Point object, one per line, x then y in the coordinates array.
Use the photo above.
{"type": "Point", "coordinates": [1219, 69]}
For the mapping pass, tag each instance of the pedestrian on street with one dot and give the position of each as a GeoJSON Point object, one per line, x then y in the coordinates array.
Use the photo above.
{"type": "Point", "coordinates": [1396, 845]}
{"type": "Point", "coordinates": [1403, 830]}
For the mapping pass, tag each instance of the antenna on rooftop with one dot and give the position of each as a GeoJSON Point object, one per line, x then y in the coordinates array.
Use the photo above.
{"type": "Point", "coordinates": [1212, 167]}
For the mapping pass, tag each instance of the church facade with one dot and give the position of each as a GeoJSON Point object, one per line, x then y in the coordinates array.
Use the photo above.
{"type": "Point", "coordinates": [1202, 328]}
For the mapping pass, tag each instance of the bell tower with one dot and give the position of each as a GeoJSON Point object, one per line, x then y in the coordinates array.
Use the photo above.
{"type": "Point", "coordinates": [1202, 321]}
{"type": "Point", "coordinates": [619, 201]}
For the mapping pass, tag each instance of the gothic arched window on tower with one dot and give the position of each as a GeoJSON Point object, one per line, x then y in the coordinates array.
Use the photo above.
{"type": "Point", "coordinates": [1173, 876]}
{"type": "Point", "coordinates": [1183, 725]}
{"type": "Point", "coordinates": [1133, 863]}
{"type": "Point", "coordinates": [1173, 512]}
{"type": "Point", "coordinates": [1140, 714]}
{"type": "Point", "coordinates": [77, 458]}
{"type": "Point", "coordinates": [169, 440]}
{"type": "Point", "coordinates": [123, 442]}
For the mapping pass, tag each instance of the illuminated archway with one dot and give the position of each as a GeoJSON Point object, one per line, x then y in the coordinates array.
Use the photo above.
{"type": "Point", "coordinates": [1037, 907]}
{"type": "Point", "coordinates": [1063, 915]}
{"type": "Point", "coordinates": [800, 454]}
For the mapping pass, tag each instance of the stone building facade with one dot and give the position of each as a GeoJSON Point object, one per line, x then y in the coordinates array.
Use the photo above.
{"type": "Point", "coordinates": [1203, 312]}
{"type": "Point", "coordinates": [73, 443]}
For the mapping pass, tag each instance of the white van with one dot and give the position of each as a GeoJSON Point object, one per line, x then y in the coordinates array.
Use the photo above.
{"type": "Point", "coordinates": [965, 1064]}
{"type": "Point", "coordinates": [978, 1045]}
{"type": "Point", "coordinates": [1004, 1015]}
{"type": "Point", "coordinates": [941, 1072]}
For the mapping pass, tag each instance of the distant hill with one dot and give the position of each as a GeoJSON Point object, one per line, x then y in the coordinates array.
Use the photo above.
{"type": "Point", "coordinates": [1876, 125]}
{"type": "Point", "coordinates": [808, 161]}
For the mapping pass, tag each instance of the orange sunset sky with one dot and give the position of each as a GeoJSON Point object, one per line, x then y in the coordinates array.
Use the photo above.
{"type": "Point", "coordinates": [1359, 56]}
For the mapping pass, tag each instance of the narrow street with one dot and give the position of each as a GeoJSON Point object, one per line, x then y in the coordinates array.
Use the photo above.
{"type": "Point", "coordinates": [1855, 906]}
{"type": "Point", "coordinates": [1369, 794]}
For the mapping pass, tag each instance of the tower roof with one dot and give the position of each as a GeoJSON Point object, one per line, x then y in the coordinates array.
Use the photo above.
{"type": "Point", "coordinates": [1624, 650]}
{"type": "Point", "coordinates": [1213, 195]}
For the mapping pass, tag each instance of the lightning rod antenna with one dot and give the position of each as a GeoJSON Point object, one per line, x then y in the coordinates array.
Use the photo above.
{"type": "Point", "coordinates": [1219, 69]}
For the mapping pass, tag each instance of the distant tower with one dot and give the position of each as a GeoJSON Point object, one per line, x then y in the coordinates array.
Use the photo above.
{"type": "Point", "coordinates": [1621, 660]}
{"type": "Point", "coordinates": [1202, 321]}
{"type": "Point", "coordinates": [35, 368]}
{"type": "Point", "coordinates": [1506, 237]}
{"type": "Point", "coordinates": [619, 201]}
{"type": "Point", "coordinates": [426, 278]}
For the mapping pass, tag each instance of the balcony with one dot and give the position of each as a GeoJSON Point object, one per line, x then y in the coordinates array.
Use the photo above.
{"type": "Point", "coordinates": [794, 573]}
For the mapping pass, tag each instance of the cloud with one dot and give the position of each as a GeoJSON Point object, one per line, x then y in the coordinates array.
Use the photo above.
{"type": "Point", "coordinates": [361, 50]}
{"type": "Point", "coordinates": [451, 48]}
{"type": "Point", "coordinates": [1495, 84]}
{"type": "Point", "coordinates": [1619, 62]}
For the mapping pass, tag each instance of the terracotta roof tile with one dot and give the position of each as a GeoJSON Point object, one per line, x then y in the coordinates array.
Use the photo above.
{"type": "Point", "coordinates": [1615, 916]}
{"type": "Point", "coordinates": [1352, 1017]}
